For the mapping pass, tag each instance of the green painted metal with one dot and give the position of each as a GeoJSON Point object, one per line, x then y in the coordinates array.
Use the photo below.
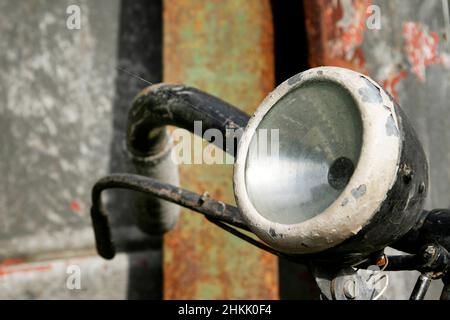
{"type": "Point", "coordinates": [226, 49]}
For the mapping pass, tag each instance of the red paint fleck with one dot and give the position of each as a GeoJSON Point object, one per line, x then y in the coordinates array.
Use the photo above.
{"type": "Point", "coordinates": [7, 270]}
{"type": "Point", "coordinates": [421, 48]}
{"type": "Point", "coordinates": [390, 84]}
{"type": "Point", "coordinates": [75, 206]}
{"type": "Point", "coordinates": [11, 262]}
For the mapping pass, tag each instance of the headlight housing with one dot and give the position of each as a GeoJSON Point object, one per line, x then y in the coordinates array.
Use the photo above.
{"type": "Point", "coordinates": [329, 162]}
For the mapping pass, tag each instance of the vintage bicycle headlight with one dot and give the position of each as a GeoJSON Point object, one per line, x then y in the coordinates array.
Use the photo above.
{"type": "Point", "coordinates": [329, 162]}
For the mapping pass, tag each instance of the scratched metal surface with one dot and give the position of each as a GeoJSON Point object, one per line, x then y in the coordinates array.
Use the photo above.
{"type": "Point", "coordinates": [62, 116]}
{"type": "Point", "coordinates": [409, 56]}
{"type": "Point", "coordinates": [224, 48]}
{"type": "Point", "coordinates": [55, 109]}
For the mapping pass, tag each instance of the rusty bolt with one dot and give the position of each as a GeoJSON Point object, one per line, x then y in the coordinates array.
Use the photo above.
{"type": "Point", "coordinates": [381, 261]}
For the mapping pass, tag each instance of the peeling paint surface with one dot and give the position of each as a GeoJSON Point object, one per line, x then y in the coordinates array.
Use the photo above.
{"type": "Point", "coordinates": [409, 57]}
{"type": "Point", "coordinates": [421, 48]}
{"type": "Point", "coordinates": [204, 48]}
{"type": "Point", "coordinates": [391, 128]}
{"type": "Point", "coordinates": [359, 192]}
{"type": "Point", "coordinates": [336, 28]}
{"type": "Point", "coordinates": [391, 83]}
{"type": "Point", "coordinates": [370, 93]}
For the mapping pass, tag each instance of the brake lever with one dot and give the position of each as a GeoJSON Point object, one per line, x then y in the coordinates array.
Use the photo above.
{"type": "Point", "coordinates": [202, 204]}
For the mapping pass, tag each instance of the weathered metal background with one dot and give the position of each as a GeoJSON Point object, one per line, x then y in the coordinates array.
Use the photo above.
{"type": "Point", "coordinates": [409, 56]}
{"type": "Point", "coordinates": [224, 48]}
{"type": "Point", "coordinates": [63, 111]}
{"type": "Point", "coordinates": [128, 276]}
{"type": "Point", "coordinates": [62, 118]}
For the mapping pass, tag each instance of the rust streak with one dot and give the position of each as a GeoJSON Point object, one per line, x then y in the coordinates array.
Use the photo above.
{"type": "Point", "coordinates": [8, 270]}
